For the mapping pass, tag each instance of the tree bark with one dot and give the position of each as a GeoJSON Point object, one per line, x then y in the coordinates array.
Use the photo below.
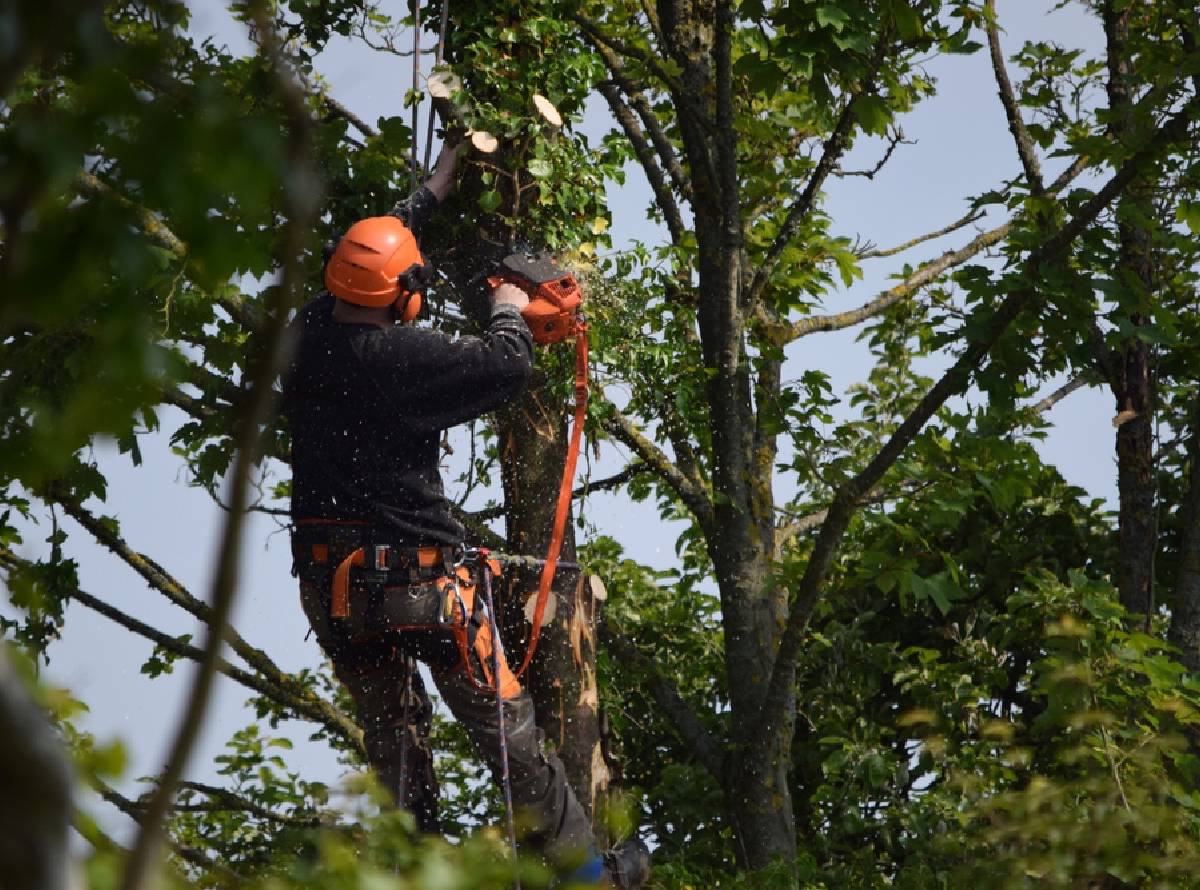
{"type": "Point", "coordinates": [1133, 386]}
{"type": "Point", "coordinates": [562, 678]}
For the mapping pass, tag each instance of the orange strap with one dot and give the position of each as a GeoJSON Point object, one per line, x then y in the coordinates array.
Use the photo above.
{"type": "Point", "coordinates": [340, 605]}
{"type": "Point", "coordinates": [564, 492]}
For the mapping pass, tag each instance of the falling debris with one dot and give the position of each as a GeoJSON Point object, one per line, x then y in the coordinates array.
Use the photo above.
{"type": "Point", "coordinates": [547, 110]}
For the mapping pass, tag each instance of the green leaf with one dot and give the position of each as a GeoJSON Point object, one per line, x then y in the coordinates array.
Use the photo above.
{"type": "Point", "coordinates": [873, 115]}
{"type": "Point", "coordinates": [489, 201]}
{"type": "Point", "coordinates": [830, 16]}
{"type": "Point", "coordinates": [539, 168]}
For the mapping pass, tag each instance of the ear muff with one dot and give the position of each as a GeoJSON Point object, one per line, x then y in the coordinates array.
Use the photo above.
{"type": "Point", "coordinates": [409, 304]}
{"type": "Point", "coordinates": [412, 281]}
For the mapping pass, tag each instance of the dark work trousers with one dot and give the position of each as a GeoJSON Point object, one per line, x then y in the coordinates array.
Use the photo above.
{"type": "Point", "coordinates": [558, 827]}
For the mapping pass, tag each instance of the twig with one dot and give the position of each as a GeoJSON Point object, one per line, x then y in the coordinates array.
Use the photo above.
{"type": "Point", "coordinates": [971, 217]}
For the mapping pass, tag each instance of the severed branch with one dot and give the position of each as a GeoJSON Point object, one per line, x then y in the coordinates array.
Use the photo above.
{"type": "Point", "coordinates": [991, 325]}
{"type": "Point", "coordinates": [707, 750]}
{"type": "Point", "coordinates": [971, 217]}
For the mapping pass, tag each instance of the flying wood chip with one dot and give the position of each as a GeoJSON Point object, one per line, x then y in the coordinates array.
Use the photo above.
{"type": "Point", "coordinates": [547, 110]}
{"type": "Point", "coordinates": [442, 84]}
{"type": "Point", "coordinates": [484, 141]}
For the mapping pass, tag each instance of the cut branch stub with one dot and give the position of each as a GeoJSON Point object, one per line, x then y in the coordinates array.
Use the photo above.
{"type": "Point", "coordinates": [547, 110]}
{"type": "Point", "coordinates": [443, 84]}
{"type": "Point", "coordinates": [483, 141]}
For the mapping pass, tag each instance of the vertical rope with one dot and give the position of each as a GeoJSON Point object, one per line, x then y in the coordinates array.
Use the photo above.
{"type": "Point", "coordinates": [505, 781]}
{"type": "Point", "coordinates": [416, 86]}
{"type": "Point", "coordinates": [401, 789]}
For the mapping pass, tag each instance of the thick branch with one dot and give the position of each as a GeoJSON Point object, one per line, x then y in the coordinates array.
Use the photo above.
{"type": "Point", "coordinates": [654, 173]}
{"type": "Point", "coordinates": [658, 136]}
{"type": "Point", "coordinates": [707, 750]}
{"type": "Point", "coordinates": [954, 381]}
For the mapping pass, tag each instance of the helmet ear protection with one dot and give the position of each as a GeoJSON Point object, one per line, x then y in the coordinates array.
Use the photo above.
{"type": "Point", "coordinates": [412, 281]}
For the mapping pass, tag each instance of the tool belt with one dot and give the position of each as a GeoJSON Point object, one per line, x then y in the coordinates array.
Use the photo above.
{"type": "Point", "coordinates": [384, 593]}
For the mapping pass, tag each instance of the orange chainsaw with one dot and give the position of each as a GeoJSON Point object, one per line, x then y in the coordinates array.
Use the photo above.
{"type": "Point", "coordinates": [555, 300]}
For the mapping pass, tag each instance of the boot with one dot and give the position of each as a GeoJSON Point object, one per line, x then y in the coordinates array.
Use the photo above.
{"type": "Point", "coordinates": [627, 865]}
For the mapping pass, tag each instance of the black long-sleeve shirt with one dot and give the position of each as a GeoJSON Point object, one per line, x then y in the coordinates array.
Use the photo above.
{"type": "Point", "coordinates": [366, 406]}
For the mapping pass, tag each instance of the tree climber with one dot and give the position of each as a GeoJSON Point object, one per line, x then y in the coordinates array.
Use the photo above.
{"type": "Point", "coordinates": [376, 547]}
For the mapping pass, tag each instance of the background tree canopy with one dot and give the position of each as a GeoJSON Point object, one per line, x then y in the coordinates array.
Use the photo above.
{"type": "Point", "coordinates": [892, 645]}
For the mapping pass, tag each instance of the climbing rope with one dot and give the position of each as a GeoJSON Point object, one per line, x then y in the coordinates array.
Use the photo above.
{"type": "Point", "coordinates": [505, 780]}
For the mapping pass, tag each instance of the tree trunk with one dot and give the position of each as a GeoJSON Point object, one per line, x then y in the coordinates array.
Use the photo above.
{"type": "Point", "coordinates": [1133, 386]}
{"type": "Point", "coordinates": [562, 678]}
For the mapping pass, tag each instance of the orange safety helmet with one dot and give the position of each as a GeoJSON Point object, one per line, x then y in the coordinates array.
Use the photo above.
{"type": "Point", "coordinates": [376, 263]}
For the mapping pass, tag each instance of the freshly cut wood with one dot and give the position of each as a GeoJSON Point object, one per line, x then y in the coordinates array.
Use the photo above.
{"type": "Point", "coordinates": [596, 588]}
{"type": "Point", "coordinates": [443, 84]}
{"type": "Point", "coordinates": [548, 615]}
{"type": "Point", "coordinates": [547, 110]}
{"type": "Point", "coordinates": [484, 141]}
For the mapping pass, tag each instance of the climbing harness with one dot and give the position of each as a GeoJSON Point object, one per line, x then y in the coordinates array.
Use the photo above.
{"type": "Point", "coordinates": [505, 780]}
{"type": "Point", "coordinates": [553, 315]}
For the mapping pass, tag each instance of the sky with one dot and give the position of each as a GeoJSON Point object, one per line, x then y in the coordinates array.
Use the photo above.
{"type": "Point", "coordinates": [962, 148]}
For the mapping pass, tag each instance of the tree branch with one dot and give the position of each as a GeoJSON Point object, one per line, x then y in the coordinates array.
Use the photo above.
{"type": "Point", "coordinates": [654, 173]}
{"type": "Point", "coordinates": [923, 276]}
{"type": "Point", "coordinates": [707, 750]}
{"type": "Point", "coordinates": [690, 491]}
{"type": "Point", "coordinates": [658, 136]}
{"type": "Point", "coordinates": [970, 217]}
{"type": "Point", "coordinates": [1016, 125]}
{"type": "Point", "coordinates": [835, 146]}
{"type": "Point", "coordinates": [991, 326]}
